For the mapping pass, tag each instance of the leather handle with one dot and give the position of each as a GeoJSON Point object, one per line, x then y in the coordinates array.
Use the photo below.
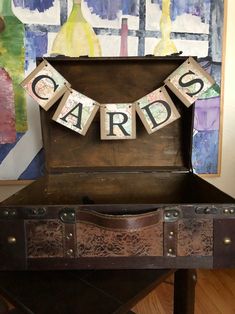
{"type": "Point", "coordinates": [125, 222]}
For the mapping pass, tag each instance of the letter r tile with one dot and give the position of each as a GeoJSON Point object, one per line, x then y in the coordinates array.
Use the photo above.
{"type": "Point", "coordinates": [117, 121]}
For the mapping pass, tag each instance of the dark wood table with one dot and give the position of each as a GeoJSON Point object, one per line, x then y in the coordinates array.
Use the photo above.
{"type": "Point", "coordinates": [85, 292]}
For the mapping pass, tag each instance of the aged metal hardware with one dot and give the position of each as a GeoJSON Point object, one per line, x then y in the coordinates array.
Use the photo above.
{"type": "Point", "coordinates": [229, 211]}
{"type": "Point", "coordinates": [227, 241]}
{"type": "Point", "coordinates": [206, 210]}
{"type": "Point", "coordinates": [67, 215]}
{"type": "Point", "coordinates": [172, 214]}
{"type": "Point", "coordinates": [69, 236]}
{"type": "Point", "coordinates": [8, 213]}
{"type": "Point", "coordinates": [11, 240]}
{"type": "Point", "coordinates": [70, 252]}
{"type": "Point", "coordinates": [36, 212]}
{"type": "Point", "coordinates": [170, 252]}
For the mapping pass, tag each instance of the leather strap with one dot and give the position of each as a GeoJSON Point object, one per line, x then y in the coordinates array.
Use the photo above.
{"type": "Point", "coordinates": [170, 239]}
{"type": "Point", "coordinates": [120, 221]}
{"type": "Point", "coordinates": [70, 240]}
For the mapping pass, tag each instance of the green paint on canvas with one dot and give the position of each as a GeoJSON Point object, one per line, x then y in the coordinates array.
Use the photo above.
{"type": "Point", "coordinates": [12, 57]}
{"type": "Point", "coordinates": [214, 91]}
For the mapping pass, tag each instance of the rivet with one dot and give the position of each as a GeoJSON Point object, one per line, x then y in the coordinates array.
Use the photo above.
{"type": "Point", "coordinates": [227, 241]}
{"type": "Point", "coordinates": [195, 278]}
{"type": "Point", "coordinates": [226, 211]}
{"type": "Point", "coordinates": [176, 214]}
{"type": "Point", "coordinates": [170, 251]}
{"type": "Point", "coordinates": [11, 240]}
{"type": "Point", "coordinates": [72, 214]}
{"type": "Point", "coordinates": [70, 251]}
{"type": "Point", "coordinates": [65, 214]}
{"type": "Point", "coordinates": [168, 214]}
{"type": "Point", "coordinates": [69, 236]}
{"type": "Point", "coordinates": [231, 211]}
{"type": "Point", "coordinates": [171, 234]}
{"type": "Point", "coordinates": [6, 213]}
{"type": "Point", "coordinates": [13, 213]}
{"type": "Point", "coordinates": [207, 210]}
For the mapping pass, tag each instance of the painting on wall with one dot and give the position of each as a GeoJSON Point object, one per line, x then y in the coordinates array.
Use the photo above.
{"type": "Point", "coordinates": [30, 29]}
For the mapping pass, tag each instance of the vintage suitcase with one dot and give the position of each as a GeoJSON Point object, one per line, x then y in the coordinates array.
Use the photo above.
{"type": "Point", "coordinates": [117, 204]}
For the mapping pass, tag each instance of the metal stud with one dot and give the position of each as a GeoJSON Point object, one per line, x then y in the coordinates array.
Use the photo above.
{"type": "Point", "coordinates": [70, 252]}
{"type": "Point", "coordinates": [176, 214]}
{"type": "Point", "coordinates": [226, 211]}
{"type": "Point", "coordinates": [6, 213]}
{"type": "Point", "coordinates": [69, 236]}
{"type": "Point", "coordinates": [207, 210]}
{"type": "Point", "coordinates": [231, 211]}
{"type": "Point", "coordinates": [171, 234]}
{"type": "Point", "coordinates": [168, 214]}
{"type": "Point", "coordinates": [170, 251]}
{"type": "Point", "coordinates": [11, 240]}
{"type": "Point", "coordinates": [227, 241]}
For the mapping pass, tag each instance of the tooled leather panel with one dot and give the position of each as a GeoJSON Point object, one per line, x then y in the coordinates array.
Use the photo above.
{"type": "Point", "coordinates": [195, 237]}
{"type": "Point", "coordinates": [94, 241]}
{"type": "Point", "coordinates": [44, 238]}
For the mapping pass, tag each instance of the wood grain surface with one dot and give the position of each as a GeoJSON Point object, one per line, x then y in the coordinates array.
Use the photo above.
{"type": "Point", "coordinates": [215, 294]}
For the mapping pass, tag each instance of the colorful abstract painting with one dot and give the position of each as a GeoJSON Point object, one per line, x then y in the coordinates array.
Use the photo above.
{"type": "Point", "coordinates": [30, 29]}
{"type": "Point", "coordinates": [12, 53]}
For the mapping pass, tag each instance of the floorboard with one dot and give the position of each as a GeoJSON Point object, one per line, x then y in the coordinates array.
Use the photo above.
{"type": "Point", "coordinates": [215, 294]}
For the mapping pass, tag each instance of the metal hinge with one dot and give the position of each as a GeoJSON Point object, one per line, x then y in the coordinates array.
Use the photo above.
{"type": "Point", "coordinates": [67, 215]}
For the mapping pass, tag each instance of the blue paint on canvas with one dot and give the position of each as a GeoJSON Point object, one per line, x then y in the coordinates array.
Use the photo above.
{"type": "Point", "coordinates": [6, 148]}
{"type": "Point", "coordinates": [196, 7]}
{"type": "Point", "coordinates": [35, 169]}
{"type": "Point", "coordinates": [110, 9]}
{"type": "Point", "coordinates": [206, 148]}
{"type": "Point", "coordinates": [36, 44]}
{"type": "Point", "coordinates": [40, 5]}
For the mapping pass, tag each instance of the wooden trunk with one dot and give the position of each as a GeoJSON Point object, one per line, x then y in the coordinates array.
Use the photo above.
{"type": "Point", "coordinates": [117, 204]}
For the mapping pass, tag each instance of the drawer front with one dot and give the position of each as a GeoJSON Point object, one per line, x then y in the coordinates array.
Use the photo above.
{"type": "Point", "coordinates": [100, 235]}
{"type": "Point", "coordinates": [224, 243]}
{"type": "Point", "coordinates": [12, 245]}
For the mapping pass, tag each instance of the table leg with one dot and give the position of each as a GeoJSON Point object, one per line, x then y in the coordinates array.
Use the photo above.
{"type": "Point", "coordinates": [184, 291]}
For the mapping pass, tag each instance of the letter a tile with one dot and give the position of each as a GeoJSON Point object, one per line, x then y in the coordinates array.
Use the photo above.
{"type": "Point", "coordinates": [117, 121]}
{"type": "Point", "coordinates": [45, 85]}
{"type": "Point", "coordinates": [156, 110]}
{"type": "Point", "coordinates": [189, 81]}
{"type": "Point", "coordinates": [76, 111]}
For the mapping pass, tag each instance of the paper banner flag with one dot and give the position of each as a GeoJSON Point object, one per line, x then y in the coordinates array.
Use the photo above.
{"type": "Point", "coordinates": [76, 111]}
{"type": "Point", "coordinates": [189, 81]}
{"type": "Point", "coordinates": [156, 110]}
{"type": "Point", "coordinates": [118, 121]}
{"type": "Point", "coordinates": [45, 85]}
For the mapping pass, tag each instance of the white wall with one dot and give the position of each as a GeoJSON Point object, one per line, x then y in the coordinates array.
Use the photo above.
{"type": "Point", "coordinates": [226, 182]}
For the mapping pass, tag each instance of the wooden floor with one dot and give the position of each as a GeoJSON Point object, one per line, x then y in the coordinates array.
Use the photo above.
{"type": "Point", "coordinates": [215, 294]}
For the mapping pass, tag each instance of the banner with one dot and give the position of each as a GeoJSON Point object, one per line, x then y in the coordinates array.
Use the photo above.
{"type": "Point", "coordinates": [117, 121]}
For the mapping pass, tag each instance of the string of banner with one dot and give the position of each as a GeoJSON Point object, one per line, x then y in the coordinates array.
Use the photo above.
{"type": "Point", "coordinates": [118, 120]}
